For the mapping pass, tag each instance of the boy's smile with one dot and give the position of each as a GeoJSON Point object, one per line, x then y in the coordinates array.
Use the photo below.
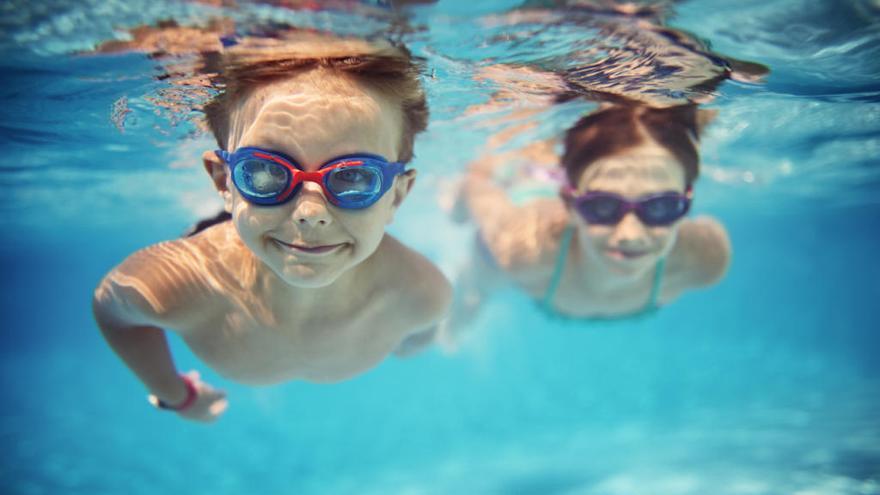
{"type": "Point", "coordinates": [316, 249]}
{"type": "Point", "coordinates": [314, 117]}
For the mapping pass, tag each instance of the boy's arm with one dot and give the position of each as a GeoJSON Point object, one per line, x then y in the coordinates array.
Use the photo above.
{"type": "Point", "coordinates": [423, 304]}
{"type": "Point", "coordinates": [416, 342]}
{"type": "Point", "coordinates": [129, 311]}
{"type": "Point", "coordinates": [143, 348]}
{"type": "Point", "coordinates": [431, 310]}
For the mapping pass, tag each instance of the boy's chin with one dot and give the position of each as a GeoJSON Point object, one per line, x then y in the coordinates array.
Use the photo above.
{"type": "Point", "coordinates": [308, 277]}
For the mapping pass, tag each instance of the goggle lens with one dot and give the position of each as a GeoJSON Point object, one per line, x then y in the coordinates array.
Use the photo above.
{"type": "Point", "coordinates": [608, 209]}
{"type": "Point", "coordinates": [662, 210]}
{"type": "Point", "coordinates": [355, 184]}
{"type": "Point", "coordinates": [602, 210]}
{"type": "Point", "coordinates": [261, 179]}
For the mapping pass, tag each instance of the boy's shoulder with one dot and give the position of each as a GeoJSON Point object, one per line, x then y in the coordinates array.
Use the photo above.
{"type": "Point", "coordinates": [173, 282]}
{"type": "Point", "coordinates": [420, 293]}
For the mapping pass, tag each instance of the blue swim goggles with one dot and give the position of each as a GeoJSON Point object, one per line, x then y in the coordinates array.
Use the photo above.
{"type": "Point", "coordinates": [271, 178]}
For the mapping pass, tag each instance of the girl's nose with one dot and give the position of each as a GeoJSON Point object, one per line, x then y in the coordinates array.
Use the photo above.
{"type": "Point", "coordinates": [630, 230]}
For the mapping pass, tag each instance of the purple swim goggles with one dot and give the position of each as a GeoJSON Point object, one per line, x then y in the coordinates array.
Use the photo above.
{"type": "Point", "coordinates": [654, 210]}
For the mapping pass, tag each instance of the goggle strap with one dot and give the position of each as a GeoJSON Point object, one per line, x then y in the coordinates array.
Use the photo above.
{"type": "Point", "coordinates": [396, 168]}
{"type": "Point", "coordinates": [223, 155]}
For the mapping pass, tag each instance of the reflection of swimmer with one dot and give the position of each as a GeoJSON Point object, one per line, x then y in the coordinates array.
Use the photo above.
{"type": "Point", "coordinates": [614, 242]}
{"type": "Point", "coordinates": [303, 282]}
{"type": "Point", "coordinates": [561, 49]}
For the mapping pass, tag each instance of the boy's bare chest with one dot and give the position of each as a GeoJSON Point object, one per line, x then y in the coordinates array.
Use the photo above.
{"type": "Point", "coordinates": [250, 346]}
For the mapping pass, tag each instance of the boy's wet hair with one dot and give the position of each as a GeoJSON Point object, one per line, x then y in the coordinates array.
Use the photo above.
{"type": "Point", "coordinates": [389, 69]}
{"type": "Point", "coordinates": [615, 129]}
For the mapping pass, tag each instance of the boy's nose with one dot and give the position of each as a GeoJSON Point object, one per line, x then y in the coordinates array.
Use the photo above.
{"type": "Point", "coordinates": [310, 207]}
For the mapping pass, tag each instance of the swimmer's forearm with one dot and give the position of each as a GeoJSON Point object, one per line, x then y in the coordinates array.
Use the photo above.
{"type": "Point", "coordinates": [416, 343]}
{"type": "Point", "coordinates": [485, 200]}
{"type": "Point", "coordinates": [145, 350]}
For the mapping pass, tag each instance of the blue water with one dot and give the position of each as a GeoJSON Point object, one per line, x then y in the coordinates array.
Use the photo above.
{"type": "Point", "coordinates": [768, 383]}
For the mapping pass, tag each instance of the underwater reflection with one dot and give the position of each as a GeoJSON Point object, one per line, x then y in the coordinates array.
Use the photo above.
{"type": "Point", "coordinates": [608, 51]}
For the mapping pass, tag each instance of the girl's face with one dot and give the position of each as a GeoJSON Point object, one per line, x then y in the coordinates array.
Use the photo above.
{"type": "Point", "coordinates": [630, 247]}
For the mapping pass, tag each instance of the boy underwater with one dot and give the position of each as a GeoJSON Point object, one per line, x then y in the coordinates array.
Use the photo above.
{"type": "Point", "coordinates": [303, 282]}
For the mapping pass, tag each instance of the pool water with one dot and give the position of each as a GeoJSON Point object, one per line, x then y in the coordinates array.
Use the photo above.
{"type": "Point", "coordinates": [768, 383]}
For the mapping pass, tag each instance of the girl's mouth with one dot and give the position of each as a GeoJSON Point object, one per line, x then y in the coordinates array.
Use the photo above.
{"type": "Point", "coordinates": [626, 254]}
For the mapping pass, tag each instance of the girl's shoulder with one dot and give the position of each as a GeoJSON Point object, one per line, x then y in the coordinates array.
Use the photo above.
{"type": "Point", "coordinates": [702, 252]}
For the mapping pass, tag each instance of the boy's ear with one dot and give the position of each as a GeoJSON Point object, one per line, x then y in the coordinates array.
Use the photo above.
{"type": "Point", "coordinates": [402, 186]}
{"type": "Point", "coordinates": [219, 176]}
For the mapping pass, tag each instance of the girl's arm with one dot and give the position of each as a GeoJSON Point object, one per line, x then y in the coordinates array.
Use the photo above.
{"type": "Point", "coordinates": [706, 250]}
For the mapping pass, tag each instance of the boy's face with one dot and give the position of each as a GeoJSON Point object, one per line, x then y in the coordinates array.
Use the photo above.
{"type": "Point", "coordinates": [313, 117]}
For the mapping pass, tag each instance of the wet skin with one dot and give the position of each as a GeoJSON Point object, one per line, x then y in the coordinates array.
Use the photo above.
{"type": "Point", "coordinates": [629, 248]}
{"type": "Point", "coordinates": [609, 270]}
{"type": "Point", "coordinates": [303, 290]}
{"type": "Point", "coordinates": [307, 241]}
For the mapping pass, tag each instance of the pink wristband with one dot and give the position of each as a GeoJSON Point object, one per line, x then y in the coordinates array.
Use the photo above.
{"type": "Point", "coordinates": [191, 395]}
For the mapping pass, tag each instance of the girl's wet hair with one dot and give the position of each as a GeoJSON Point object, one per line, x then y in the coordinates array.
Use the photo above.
{"type": "Point", "coordinates": [612, 130]}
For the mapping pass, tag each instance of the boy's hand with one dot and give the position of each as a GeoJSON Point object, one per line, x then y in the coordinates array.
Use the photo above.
{"type": "Point", "coordinates": [416, 343]}
{"type": "Point", "coordinates": [210, 403]}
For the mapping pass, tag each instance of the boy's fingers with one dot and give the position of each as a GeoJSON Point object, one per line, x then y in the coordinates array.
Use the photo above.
{"type": "Point", "coordinates": [213, 394]}
{"type": "Point", "coordinates": [206, 418]}
{"type": "Point", "coordinates": [218, 407]}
